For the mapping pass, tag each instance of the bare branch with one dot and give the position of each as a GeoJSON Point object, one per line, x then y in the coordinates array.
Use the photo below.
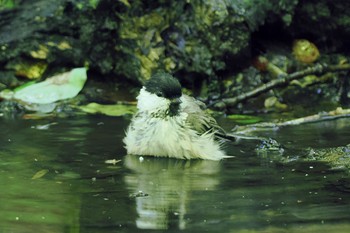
{"type": "Point", "coordinates": [282, 80]}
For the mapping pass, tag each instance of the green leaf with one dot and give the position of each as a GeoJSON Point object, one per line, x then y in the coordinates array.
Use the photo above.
{"type": "Point", "coordinates": [59, 87]}
{"type": "Point", "coordinates": [244, 119]}
{"type": "Point", "coordinates": [109, 110]}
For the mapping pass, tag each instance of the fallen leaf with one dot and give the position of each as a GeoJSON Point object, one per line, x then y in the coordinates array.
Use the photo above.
{"type": "Point", "coordinates": [59, 87]}
{"type": "Point", "coordinates": [40, 174]}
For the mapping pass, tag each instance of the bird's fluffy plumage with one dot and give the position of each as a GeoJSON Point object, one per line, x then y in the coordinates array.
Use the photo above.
{"type": "Point", "coordinates": [188, 134]}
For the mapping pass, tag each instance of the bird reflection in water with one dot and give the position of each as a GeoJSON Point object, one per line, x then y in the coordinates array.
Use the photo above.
{"type": "Point", "coordinates": [162, 188]}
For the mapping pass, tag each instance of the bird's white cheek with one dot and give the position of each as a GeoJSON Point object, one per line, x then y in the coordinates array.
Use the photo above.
{"type": "Point", "coordinates": [151, 102]}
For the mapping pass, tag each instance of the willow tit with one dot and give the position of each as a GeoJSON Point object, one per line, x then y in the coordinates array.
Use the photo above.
{"type": "Point", "coordinates": [171, 124]}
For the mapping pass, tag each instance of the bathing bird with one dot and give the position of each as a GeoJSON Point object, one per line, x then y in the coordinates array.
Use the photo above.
{"type": "Point", "coordinates": [171, 124]}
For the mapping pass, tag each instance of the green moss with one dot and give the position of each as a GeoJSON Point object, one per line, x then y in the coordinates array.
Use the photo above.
{"type": "Point", "coordinates": [193, 36]}
{"type": "Point", "coordinates": [316, 11]}
{"type": "Point", "coordinates": [337, 157]}
{"type": "Point", "coordinates": [7, 4]}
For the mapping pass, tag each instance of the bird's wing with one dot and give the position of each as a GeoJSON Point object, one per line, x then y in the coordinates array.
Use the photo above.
{"type": "Point", "coordinates": [199, 119]}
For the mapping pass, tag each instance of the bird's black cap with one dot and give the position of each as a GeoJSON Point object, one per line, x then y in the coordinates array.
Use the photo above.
{"type": "Point", "coordinates": [164, 85]}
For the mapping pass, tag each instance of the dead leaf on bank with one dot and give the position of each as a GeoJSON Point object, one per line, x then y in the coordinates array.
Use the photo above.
{"type": "Point", "coordinates": [63, 86]}
{"type": "Point", "coordinates": [42, 96]}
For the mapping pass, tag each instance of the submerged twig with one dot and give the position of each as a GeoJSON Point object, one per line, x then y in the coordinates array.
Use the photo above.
{"type": "Point", "coordinates": [323, 116]}
{"type": "Point", "coordinates": [282, 80]}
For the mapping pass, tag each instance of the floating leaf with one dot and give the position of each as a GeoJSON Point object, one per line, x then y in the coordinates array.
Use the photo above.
{"type": "Point", "coordinates": [44, 127]}
{"type": "Point", "coordinates": [244, 119]}
{"type": "Point", "coordinates": [112, 161]}
{"type": "Point", "coordinates": [59, 87]}
{"type": "Point", "coordinates": [40, 174]}
{"type": "Point", "coordinates": [109, 110]}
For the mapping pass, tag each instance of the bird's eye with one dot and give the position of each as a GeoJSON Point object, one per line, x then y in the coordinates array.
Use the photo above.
{"type": "Point", "coordinates": [159, 94]}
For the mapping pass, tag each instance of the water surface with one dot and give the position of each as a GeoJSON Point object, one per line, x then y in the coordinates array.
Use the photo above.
{"type": "Point", "coordinates": [53, 178]}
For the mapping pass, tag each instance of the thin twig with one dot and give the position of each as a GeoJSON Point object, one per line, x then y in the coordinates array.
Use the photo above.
{"type": "Point", "coordinates": [284, 80]}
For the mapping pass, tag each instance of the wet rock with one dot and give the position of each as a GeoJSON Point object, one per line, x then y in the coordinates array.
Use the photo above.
{"type": "Point", "coordinates": [10, 109]}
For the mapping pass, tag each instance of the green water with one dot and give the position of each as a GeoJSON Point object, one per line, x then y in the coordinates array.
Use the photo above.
{"type": "Point", "coordinates": [53, 178]}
